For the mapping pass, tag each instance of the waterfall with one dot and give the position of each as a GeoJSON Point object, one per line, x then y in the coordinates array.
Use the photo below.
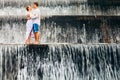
{"type": "Point", "coordinates": [66, 21]}
{"type": "Point", "coordinates": [60, 62]}
{"type": "Point", "coordinates": [79, 41]}
{"type": "Point", "coordinates": [64, 29]}
{"type": "Point", "coordinates": [57, 7]}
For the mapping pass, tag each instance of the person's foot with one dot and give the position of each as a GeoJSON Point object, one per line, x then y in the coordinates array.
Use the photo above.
{"type": "Point", "coordinates": [27, 43]}
{"type": "Point", "coordinates": [36, 43]}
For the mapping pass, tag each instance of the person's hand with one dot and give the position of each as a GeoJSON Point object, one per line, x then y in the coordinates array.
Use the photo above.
{"type": "Point", "coordinates": [28, 17]}
{"type": "Point", "coordinates": [34, 14]}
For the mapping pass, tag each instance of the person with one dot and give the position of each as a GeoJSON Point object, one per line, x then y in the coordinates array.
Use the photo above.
{"type": "Point", "coordinates": [35, 16]}
{"type": "Point", "coordinates": [29, 25]}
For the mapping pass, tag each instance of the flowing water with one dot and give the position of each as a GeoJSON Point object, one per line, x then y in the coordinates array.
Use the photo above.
{"type": "Point", "coordinates": [66, 21]}
{"type": "Point", "coordinates": [64, 29]}
{"type": "Point", "coordinates": [73, 41]}
{"type": "Point", "coordinates": [60, 62]}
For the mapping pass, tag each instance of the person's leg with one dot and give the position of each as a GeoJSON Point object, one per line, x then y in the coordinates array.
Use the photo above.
{"type": "Point", "coordinates": [39, 36]}
{"type": "Point", "coordinates": [28, 40]}
{"type": "Point", "coordinates": [36, 37]}
{"type": "Point", "coordinates": [36, 33]}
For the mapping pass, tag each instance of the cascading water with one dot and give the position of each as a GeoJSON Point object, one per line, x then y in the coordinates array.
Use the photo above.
{"type": "Point", "coordinates": [71, 36]}
{"type": "Point", "coordinates": [60, 62]}
{"type": "Point", "coordinates": [66, 21]}
{"type": "Point", "coordinates": [64, 29]}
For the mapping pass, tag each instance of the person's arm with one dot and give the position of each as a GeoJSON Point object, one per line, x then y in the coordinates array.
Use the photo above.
{"type": "Point", "coordinates": [28, 16]}
{"type": "Point", "coordinates": [34, 16]}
